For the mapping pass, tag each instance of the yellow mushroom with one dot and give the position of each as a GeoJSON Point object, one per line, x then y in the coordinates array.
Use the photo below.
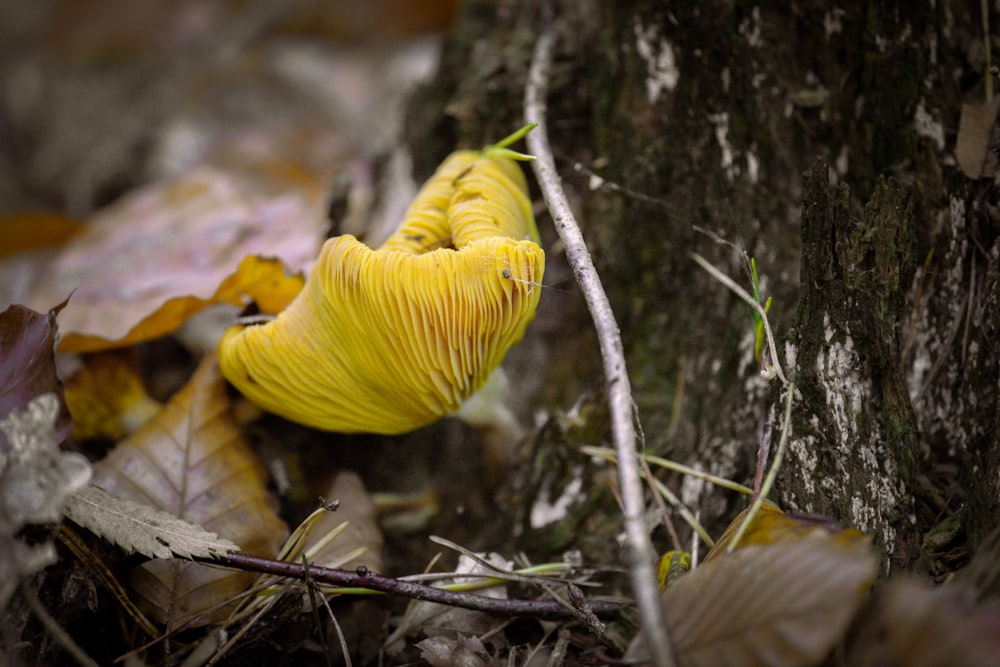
{"type": "Point", "coordinates": [389, 340]}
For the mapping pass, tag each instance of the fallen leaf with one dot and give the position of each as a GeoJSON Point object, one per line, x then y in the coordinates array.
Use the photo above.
{"type": "Point", "coordinates": [780, 605]}
{"type": "Point", "coordinates": [458, 652]}
{"type": "Point", "coordinates": [35, 478]}
{"type": "Point", "coordinates": [107, 398]}
{"type": "Point", "coordinates": [974, 146]}
{"type": "Point", "coordinates": [28, 244]}
{"type": "Point", "coordinates": [439, 620]}
{"type": "Point", "coordinates": [27, 364]}
{"type": "Point", "coordinates": [771, 525]}
{"type": "Point", "coordinates": [35, 231]}
{"type": "Point", "coordinates": [192, 461]}
{"type": "Point", "coordinates": [165, 252]}
{"type": "Point", "coordinates": [909, 624]}
{"type": "Point", "coordinates": [140, 528]}
{"type": "Point", "coordinates": [361, 542]}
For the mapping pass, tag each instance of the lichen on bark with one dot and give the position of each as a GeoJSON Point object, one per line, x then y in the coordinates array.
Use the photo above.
{"type": "Point", "coordinates": [855, 414]}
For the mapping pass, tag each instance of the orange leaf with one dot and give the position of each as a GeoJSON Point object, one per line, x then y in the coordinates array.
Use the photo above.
{"type": "Point", "coordinates": [772, 525]}
{"type": "Point", "coordinates": [35, 231]}
{"type": "Point", "coordinates": [192, 461]}
{"type": "Point", "coordinates": [107, 398]}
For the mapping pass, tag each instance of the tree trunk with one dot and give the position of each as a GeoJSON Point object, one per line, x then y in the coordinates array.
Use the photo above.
{"type": "Point", "coordinates": [678, 125]}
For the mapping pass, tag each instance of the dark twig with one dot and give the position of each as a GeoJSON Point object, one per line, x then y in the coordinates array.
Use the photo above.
{"type": "Point", "coordinates": [363, 578]}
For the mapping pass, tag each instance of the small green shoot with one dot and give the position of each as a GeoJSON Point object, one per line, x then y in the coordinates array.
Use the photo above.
{"type": "Point", "coordinates": [500, 148]}
{"type": "Point", "coordinates": [760, 335]}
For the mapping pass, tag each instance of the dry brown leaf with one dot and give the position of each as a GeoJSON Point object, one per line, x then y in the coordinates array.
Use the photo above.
{"type": "Point", "coordinates": [191, 460]}
{"type": "Point", "coordinates": [165, 252]}
{"type": "Point", "coordinates": [362, 533]}
{"type": "Point", "coordinates": [973, 149]}
{"type": "Point", "coordinates": [457, 652]}
{"type": "Point", "coordinates": [908, 624]}
{"type": "Point", "coordinates": [779, 605]}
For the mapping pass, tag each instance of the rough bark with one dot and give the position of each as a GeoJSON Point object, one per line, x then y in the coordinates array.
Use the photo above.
{"type": "Point", "coordinates": [706, 115]}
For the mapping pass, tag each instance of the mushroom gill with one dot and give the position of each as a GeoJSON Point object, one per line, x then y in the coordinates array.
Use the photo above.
{"type": "Point", "coordinates": [389, 340]}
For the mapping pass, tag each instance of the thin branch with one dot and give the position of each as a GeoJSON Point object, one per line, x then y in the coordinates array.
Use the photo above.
{"type": "Point", "coordinates": [642, 556]}
{"type": "Point", "coordinates": [363, 578]}
{"type": "Point", "coordinates": [745, 296]}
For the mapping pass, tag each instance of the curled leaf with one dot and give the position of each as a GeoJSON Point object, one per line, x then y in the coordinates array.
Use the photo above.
{"type": "Point", "coordinates": [27, 364]}
{"type": "Point", "coordinates": [771, 525]}
{"type": "Point", "coordinates": [163, 253]}
{"type": "Point", "coordinates": [973, 147]}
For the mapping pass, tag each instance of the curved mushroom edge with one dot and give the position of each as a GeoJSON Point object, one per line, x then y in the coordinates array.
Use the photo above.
{"type": "Point", "coordinates": [472, 195]}
{"type": "Point", "coordinates": [386, 342]}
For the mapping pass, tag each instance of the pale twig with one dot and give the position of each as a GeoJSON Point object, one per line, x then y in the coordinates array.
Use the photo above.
{"type": "Point", "coordinates": [745, 296]}
{"type": "Point", "coordinates": [642, 556]}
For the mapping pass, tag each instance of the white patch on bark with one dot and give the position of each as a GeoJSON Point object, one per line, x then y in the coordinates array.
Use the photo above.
{"type": "Point", "coordinates": [925, 126]}
{"type": "Point", "coordinates": [753, 166]}
{"type": "Point", "coordinates": [802, 452]}
{"type": "Point", "coordinates": [662, 73]}
{"type": "Point", "coordinates": [832, 21]}
{"type": "Point", "coordinates": [544, 511]}
{"type": "Point", "coordinates": [721, 123]}
{"type": "Point", "coordinates": [750, 28]}
{"type": "Point", "coordinates": [846, 391]}
{"type": "Point", "coordinates": [934, 329]}
{"type": "Point", "coordinates": [843, 161]}
{"type": "Point", "coordinates": [847, 396]}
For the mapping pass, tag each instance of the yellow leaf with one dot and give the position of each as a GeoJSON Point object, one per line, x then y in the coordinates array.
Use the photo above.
{"type": "Point", "coordinates": [107, 398]}
{"type": "Point", "coordinates": [772, 525]}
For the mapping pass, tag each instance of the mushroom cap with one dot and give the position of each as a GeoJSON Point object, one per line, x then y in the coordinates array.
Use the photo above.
{"type": "Point", "coordinates": [470, 196]}
{"type": "Point", "coordinates": [389, 340]}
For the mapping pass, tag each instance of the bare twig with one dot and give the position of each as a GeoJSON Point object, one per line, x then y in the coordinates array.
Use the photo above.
{"type": "Point", "coordinates": [642, 556]}
{"type": "Point", "coordinates": [364, 578]}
